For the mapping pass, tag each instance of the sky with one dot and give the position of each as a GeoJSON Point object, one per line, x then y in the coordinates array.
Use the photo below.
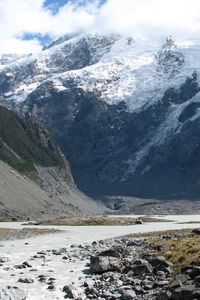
{"type": "Point", "coordinates": [27, 25]}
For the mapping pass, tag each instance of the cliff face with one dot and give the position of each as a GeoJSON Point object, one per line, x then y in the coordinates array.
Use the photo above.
{"type": "Point", "coordinates": [26, 146]}
{"type": "Point", "coordinates": [38, 182]}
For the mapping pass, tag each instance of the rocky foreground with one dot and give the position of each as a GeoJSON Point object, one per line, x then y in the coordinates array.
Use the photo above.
{"type": "Point", "coordinates": [121, 268]}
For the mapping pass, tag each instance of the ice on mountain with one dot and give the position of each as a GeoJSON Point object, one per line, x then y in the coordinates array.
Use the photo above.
{"type": "Point", "coordinates": [119, 69]}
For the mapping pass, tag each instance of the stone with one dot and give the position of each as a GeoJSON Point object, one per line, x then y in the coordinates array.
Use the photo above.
{"type": "Point", "coordinates": [27, 264]}
{"type": "Point", "coordinates": [101, 264]}
{"type": "Point", "coordinates": [196, 231]}
{"type": "Point", "coordinates": [191, 270]}
{"type": "Point", "coordinates": [12, 293]}
{"type": "Point", "coordinates": [162, 283]}
{"type": "Point", "coordinates": [183, 293]}
{"type": "Point", "coordinates": [127, 293]}
{"type": "Point", "coordinates": [42, 278]}
{"type": "Point", "coordinates": [3, 259]}
{"type": "Point", "coordinates": [51, 287]}
{"type": "Point", "coordinates": [116, 251]}
{"type": "Point", "coordinates": [165, 295]}
{"type": "Point", "coordinates": [182, 277]}
{"type": "Point", "coordinates": [175, 284]}
{"type": "Point", "coordinates": [161, 264]}
{"type": "Point", "coordinates": [20, 266]}
{"type": "Point", "coordinates": [139, 222]}
{"type": "Point", "coordinates": [26, 280]}
{"type": "Point", "coordinates": [195, 296]}
{"type": "Point", "coordinates": [139, 267]}
{"type": "Point", "coordinates": [68, 292]}
{"type": "Point", "coordinates": [160, 248]}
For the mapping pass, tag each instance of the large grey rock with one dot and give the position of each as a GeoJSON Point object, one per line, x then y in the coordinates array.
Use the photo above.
{"type": "Point", "coordinates": [12, 293]}
{"type": "Point", "coordinates": [164, 295]}
{"type": "Point", "coordinates": [191, 270]}
{"type": "Point", "coordinates": [3, 259]}
{"type": "Point", "coordinates": [139, 222]}
{"type": "Point", "coordinates": [127, 293]}
{"type": "Point", "coordinates": [184, 293]}
{"type": "Point", "coordinates": [26, 280]}
{"type": "Point", "coordinates": [101, 264]}
{"type": "Point", "coordinates": [139, 267]}
{"type": "Point", "coordinates": [116, 251]}
{"type": "Point", "coordinates": [195, 296]}
{"type": "Point", "coordinates": [68, 292]}
{"type": "Point", "coordinates": [196, 231]}
{"type": "Point", "coordinates": [161, 264]}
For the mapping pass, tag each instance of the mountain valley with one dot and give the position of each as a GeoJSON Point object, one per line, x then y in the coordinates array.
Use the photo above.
{"type": "Point", "coordinates": [125, 115]}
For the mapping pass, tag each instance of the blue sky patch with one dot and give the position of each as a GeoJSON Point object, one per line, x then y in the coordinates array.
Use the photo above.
{"type": "Point", "coordinates": [54, 6]}
{"type": "Point", "coordinates": [43, 39]}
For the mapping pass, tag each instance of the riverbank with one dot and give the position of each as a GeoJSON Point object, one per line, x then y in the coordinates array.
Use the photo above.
{"type": "Point", "coordinates": [100, 221]}
{"type": "Point", "coordinates": [65, 255]}
{"type": "Point", "coordinates": [7, 234]}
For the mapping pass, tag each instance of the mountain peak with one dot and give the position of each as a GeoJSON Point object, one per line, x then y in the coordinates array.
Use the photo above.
{"type": "Point", "coordinates": [60, 40]}
{"type": "Point", "coordinates": [170, 44]}
{"type": "Point", "coordinates": [170, 59]}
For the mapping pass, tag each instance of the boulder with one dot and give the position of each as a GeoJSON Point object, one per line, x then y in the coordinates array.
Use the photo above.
{"type": "Point", "coordinates": [195, 296]}
{"type": "Point", "coordinates": [3, 259]}
{"type": "Point", "coordinates": [165, 295]}
{"type": "Point", "coordinates": [139, 222]}
{"type": "Point", "coordinates": [127, 292]}
{"type": "Point", "coordinates": [101, 264]}
{"type": "Point", "coordinates": [161, 264]}
{"type": "Point", "coordinates": [175, 284]}
{"type": "Point", "coordinates": [196, 231]}
{"type": "Point", "coordinates": [184, 293]}
{"type": "Point", "coordinates": [139, 267]}
{"type": "Point", "coordinates": [12, 293]}
{"type": "Point", "coordinates": [26, 280]}
{"type": "Point", "coordinates": [116, 251]}
{"type": "Point", "coordinates": [191, 270]}
{"type": "Point", "coordinates": [68, 292]}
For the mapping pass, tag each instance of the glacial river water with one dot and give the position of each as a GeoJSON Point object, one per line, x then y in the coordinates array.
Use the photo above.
{"type": "Point", "coordinates": [66, 272]}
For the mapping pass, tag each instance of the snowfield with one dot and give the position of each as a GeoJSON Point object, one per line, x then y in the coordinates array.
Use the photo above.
{"type": "Point", "coordinates": [120, 69]}
{"type": "Point", "coordinates": [65, 271]}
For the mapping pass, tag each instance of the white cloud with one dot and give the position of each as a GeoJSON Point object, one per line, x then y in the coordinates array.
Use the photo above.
{"type": "Point", "coordinates": [151, 18]}
{"type": "Point", "coordinates": [14, 45]}
{"type": "Point", "coordinates": [146, 19]}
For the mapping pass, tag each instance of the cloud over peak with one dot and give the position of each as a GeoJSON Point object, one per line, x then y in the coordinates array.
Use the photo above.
{"type": "Point", "coordinates": [143, 19]}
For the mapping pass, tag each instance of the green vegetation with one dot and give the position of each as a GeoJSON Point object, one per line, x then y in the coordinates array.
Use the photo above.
{"type": "Point", "coordinates": [24, 143]}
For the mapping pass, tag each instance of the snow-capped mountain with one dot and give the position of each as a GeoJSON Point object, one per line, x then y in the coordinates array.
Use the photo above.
{"type": "Point", "coordinates": [126, 113]}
